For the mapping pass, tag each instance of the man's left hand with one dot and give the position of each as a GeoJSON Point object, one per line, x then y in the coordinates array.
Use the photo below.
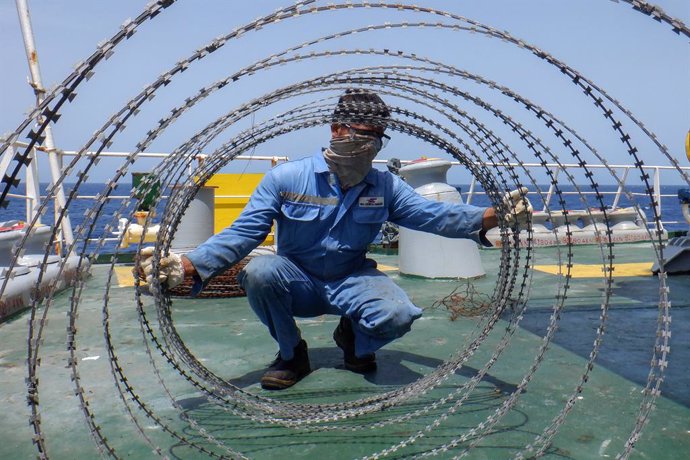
{"type": "Point", "coordinates": [518, 207]}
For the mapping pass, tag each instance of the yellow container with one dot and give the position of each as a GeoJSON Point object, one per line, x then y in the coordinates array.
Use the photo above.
{"type": "Point", "coordinates": [232, 195]}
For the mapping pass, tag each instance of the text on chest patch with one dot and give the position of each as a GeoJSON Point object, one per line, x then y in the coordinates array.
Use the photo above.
{"type": "Point", "coordinates": [371, 202]}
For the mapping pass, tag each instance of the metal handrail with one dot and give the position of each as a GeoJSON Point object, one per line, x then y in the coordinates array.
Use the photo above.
{"type": "Point", "coordinates": [31, 200]}
{"type": "Point", "coordinates": [557, 168]}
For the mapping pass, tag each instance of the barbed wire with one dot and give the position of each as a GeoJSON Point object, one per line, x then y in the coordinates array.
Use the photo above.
{"type": "Point", "coordinates": [452, 129]}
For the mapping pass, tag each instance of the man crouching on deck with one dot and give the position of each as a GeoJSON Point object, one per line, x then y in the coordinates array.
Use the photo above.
{"type": "Point", "coordinates": [328, 209]}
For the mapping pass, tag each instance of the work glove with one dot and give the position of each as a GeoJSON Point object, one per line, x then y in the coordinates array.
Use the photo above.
{"type": "Point", "coordinates": [517, 206]}
{"type": "Point", "coordinates": [171, 269]}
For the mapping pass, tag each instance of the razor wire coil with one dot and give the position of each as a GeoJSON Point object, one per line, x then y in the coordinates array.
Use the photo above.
{"type": "Point", "coordinates": [406, 82]}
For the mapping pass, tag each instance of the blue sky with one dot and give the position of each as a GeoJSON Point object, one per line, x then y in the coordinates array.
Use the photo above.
{"type": "Point", "coordinates": [638, 61]}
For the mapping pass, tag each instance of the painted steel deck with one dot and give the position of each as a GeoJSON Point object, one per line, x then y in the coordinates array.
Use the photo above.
{"type": "Point", "coordinates": [226, 337]}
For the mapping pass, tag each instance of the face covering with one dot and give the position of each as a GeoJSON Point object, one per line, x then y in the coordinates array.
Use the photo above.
{"type": "Point", "coordinates": [350, 158]}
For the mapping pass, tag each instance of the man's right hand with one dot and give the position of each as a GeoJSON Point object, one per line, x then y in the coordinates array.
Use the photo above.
{"type": "Point", "coordinates": [171, 271]}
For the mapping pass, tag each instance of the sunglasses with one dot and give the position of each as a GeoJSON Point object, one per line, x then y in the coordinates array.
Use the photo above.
{"type": "Point", "coordinates": [366, 132]}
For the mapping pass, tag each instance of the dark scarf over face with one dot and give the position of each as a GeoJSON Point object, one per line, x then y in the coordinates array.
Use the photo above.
{"type": "Point", "coordinates": [351, 158]}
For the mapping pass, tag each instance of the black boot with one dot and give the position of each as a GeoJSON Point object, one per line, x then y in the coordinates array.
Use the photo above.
{"type": "Point", "coordinates": [344, 337]}
{"type": "Point", "coordinates": [283, 373]}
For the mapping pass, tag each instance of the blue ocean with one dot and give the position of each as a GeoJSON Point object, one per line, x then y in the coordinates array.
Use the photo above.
{"type": "Point", "coordinates": [670, 207]}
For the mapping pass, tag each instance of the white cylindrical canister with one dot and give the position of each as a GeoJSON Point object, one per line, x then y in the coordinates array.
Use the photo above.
{"type": "Point", "coordinates": [196, 225]}
{"type": "Point", "coordinates": [432, 256]}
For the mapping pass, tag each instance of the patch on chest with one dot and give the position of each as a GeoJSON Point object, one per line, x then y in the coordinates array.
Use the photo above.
{"type": "Point", "coordinates": [371, 202]}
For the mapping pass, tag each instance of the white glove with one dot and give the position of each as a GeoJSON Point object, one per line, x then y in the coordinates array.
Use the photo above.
{"type": "Point", "coordinates": [171, 269]}
{"type": "Point", "coordinates": [518, 208]}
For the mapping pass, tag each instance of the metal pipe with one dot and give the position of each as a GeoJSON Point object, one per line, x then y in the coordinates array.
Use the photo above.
{"type": "Point", "coordinates": [379, 161]}
{"type": "Point", "coordinates": [33, 189]}
{"type": "Point", "coordinates": [621, 186]}
{"type": "Point", "coordinates": [163, 155]}
{"type": "Point", "coordinates": [6, 159]}
{"type": "Point", "coordinates": [547, 201]}
{"type": "Point", "coordinates": [32, 194]}
{"type": "Point", "coordinates": [54, 158]}
{"type": "Point", "coordinates": [470, 193]}
{"type": "Point", "coordinates": [657, 194]}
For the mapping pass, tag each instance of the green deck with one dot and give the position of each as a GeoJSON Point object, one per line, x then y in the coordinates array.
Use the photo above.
{"type": "Point", "coordinates": [227, 338]}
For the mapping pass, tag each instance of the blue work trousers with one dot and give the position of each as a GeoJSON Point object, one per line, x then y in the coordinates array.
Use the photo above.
{"type": "Point", "coordinates": [278, 291]}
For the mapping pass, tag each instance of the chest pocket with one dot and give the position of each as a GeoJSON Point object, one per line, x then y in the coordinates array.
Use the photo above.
{"type": "Point", "coordinates": [300, 211]}
{"type": "Point", "coordinates": [368, 223]}
{"type": "Point", "coordinates": [373, 216]}
{"type": "Point", "coordinates": [299, 227]}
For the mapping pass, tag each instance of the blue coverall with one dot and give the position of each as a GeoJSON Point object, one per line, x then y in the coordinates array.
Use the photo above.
{"type": "Point", "coordinates": [322, 237]}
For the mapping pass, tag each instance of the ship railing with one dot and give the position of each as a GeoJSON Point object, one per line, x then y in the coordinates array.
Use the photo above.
{"type": "Point", "coordinates": [623, 171]}
{"type": "Point", "coordinates": [33, 197]}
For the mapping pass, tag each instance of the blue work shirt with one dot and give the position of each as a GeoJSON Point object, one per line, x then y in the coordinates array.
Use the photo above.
{"type": "Point", "coordinates": [324, 230]}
